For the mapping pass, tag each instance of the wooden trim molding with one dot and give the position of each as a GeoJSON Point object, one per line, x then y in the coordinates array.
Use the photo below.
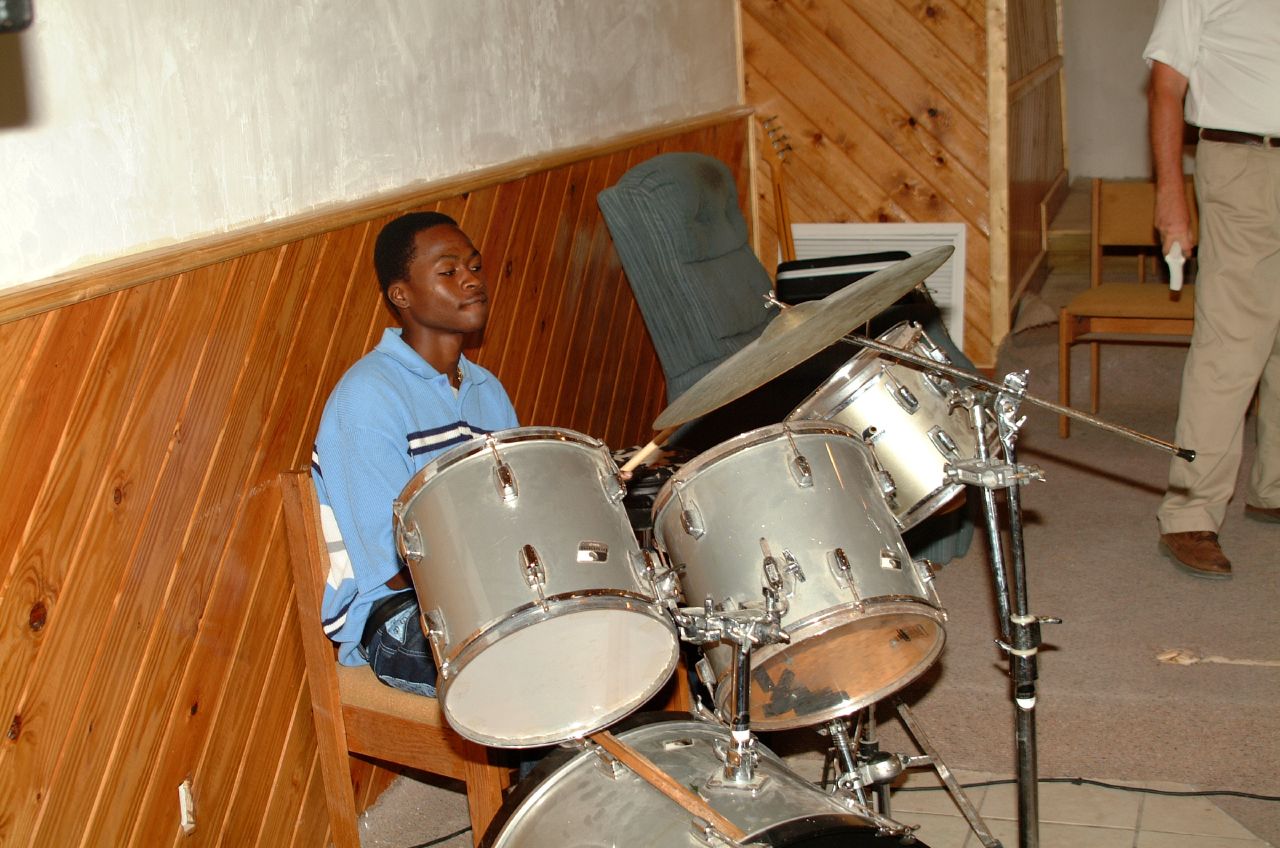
{"type": "Point", "coordinates": [114, 275]}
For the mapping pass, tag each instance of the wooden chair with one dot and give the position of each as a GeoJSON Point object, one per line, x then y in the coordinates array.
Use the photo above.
{"type": "Point", "coordinates": [1122, 214]}
{"type": "Point", "coordinates": [355, 713]}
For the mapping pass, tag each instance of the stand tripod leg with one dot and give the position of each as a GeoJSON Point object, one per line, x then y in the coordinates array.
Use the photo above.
{"type": "Point", "coordinates": [970, 813]}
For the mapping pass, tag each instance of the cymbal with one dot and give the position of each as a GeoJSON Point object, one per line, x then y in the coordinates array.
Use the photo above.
{"type": "Point", "coordinates": [798, 333]}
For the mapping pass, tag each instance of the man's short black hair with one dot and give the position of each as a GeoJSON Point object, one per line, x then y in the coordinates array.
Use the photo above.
{"type": "Point", "coordinates": [393, 251]}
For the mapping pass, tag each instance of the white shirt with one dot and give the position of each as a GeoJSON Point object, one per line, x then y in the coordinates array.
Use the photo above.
{"type": "Point", "coordinates": [1229, 51]}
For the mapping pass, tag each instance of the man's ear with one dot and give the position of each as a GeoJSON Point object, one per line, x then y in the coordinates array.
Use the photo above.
{"type": "Point", "coordinates": [397, 295]}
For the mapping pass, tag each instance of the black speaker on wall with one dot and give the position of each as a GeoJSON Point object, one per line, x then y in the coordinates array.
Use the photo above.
{"type": "Point", "coordinates": [15, 15]}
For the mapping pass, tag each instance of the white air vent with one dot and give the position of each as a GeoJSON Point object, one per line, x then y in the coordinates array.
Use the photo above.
{"type": "Point", "coordinates": [946, 285]}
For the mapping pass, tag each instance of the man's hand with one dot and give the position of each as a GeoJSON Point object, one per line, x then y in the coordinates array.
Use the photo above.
{"type": "Point", "coordinates": [1164, 103]}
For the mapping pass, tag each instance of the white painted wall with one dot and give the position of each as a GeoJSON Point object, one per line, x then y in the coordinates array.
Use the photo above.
{"type": "Point", "coordinates": [149, 122]}
{"type": "Point", "coordinates": [1107, 86]}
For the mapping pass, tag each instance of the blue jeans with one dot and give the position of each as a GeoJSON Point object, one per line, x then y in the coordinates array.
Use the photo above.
{"type": "Point", "coordinates": [399, 654]}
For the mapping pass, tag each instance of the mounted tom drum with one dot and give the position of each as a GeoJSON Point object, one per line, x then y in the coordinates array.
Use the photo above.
{"type": "Point", "coordinates": [536, 598]}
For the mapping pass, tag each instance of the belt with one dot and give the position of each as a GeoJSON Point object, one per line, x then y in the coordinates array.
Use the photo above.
{"type": "Point", "coordinates": [1234, 137]}
{"type": "Point", "coordinates": [382, 612]}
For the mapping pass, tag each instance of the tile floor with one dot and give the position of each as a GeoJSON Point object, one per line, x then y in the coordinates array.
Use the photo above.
{"type": "Point", "coordinates": [1071, 816]}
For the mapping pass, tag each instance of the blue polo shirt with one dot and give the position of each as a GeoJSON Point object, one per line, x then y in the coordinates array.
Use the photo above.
{"type": "Point", "coordinates": [389, 415]}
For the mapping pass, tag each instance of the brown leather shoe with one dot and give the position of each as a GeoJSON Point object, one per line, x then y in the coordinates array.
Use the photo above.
{"type": "Point", "coordinates": [1197, 552]}
{"type": "Point", "coordinates": [1263, 513]}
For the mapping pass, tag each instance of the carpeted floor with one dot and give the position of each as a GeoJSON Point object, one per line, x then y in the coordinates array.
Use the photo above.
{"type": "Point", "coordinates": [1107, 708]}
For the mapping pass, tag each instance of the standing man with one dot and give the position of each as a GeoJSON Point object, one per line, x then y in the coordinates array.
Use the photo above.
{"type": "Point", "coordinates": [411, 398]}
{"type": "Point", "coordinates": [1222, 57]}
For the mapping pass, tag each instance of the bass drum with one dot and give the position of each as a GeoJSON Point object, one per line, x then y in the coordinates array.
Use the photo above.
{"type": "Point", "coordinates": [576, 799]}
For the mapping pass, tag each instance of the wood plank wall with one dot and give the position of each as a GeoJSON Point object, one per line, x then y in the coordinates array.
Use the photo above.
{"type": "Point", "coordinates": [146, 613]}
{"type": "Point", "coordinates": [886, 106]}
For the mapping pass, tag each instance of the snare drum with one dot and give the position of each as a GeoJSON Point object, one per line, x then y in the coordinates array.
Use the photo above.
{"type": "Point", "coordinates": [576, 798]}
{"type": "Point", "coordinates": [795, 507]}
{"type": "Point", "coordinates": [536, 599]}
{"type": "Point", "coordinates": [905, 415]}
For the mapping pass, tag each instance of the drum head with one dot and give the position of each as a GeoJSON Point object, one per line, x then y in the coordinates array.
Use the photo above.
{"type": "Point", "coordinates": [841, 663]}
{"type": "Point", "coordinates": [546, 678]}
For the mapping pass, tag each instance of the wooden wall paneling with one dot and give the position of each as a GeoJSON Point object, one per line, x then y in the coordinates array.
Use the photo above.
{"type": "Point", "coordinates": [545, 268]}
{"type": "Point", "coordinates": [246, 812]}
{"type": "Point", "coordinates": [60, 361]}
{"type": "Point", "coordinates": [127, 535]}
{"type": "Point", "coordinates": [196, 712]}
{"type": "Point", "coordinates": [312, 826]}
{"type": "Point", "coordinates": [203, 491]}
{"type": "Point", "coordinates": [585, 182]}
{"type": "Point", "coordinates": [589, 315]}
{"type": "Point", "coordinates": [254, 597]}
{"type": "Point", "coordinates": [895, 145]}
{"type": "Point", "coordinates": [287, 794]}
{"type": "Point", "coordinates": [161, 612]}
{"type": "Point", "coordinates": [61, 554]}
{"type": "Point", "coordinates": [589, 281]}
{"type": "Point", "coordinates": [932, 91]}
{"type": "Point", "coordinates": [929, 40]}
{"type": "Point", "coordinates": [20, 343]}
{"type": "Point", "coordinates": [512, 290]}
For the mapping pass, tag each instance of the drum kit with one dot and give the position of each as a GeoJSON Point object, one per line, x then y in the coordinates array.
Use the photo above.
{"type": "Point", "coordinates": [776, 556]}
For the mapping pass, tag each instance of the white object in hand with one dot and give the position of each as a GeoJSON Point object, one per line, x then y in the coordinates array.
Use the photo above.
{"type": "Point", "coordinates": [1175, 260]}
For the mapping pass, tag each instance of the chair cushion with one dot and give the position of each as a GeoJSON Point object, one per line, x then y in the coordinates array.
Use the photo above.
{"type": "Point", "coordinates": [360, 688]}
{"type": "Point", "coordinates": [1133, 300]}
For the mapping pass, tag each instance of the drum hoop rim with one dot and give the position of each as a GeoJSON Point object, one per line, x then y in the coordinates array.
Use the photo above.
{"type": "Point", "coordinates": [927, 506]}
{"type": "Point", "coordinates": [477, 443]}
{"type": "Point", "coordinates": [688, 472]}
{"type": "Point", "coordinates": [600, 598]}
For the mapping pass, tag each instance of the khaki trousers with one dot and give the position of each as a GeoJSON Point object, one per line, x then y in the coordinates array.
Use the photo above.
{"type": "Point", "coordinates": [1235, 345]}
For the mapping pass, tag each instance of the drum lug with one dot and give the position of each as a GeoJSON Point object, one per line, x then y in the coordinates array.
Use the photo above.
{"type": "Point", "coordinates": [535, 575]}
{"type": "Point", "coordinates": [409, 538]}
{"type": "Point", "coordinates": [503, 477]}
{"type": "Point", "coordinates": [843, 571]}
{"type": "Point", "coordinates": [927, 570]}
{"type": "Point", "coordinates": [438, 634]}
{"type": "Point", "coordinates": [614, 489]}
{"type": "Point", "coordinates": [901, 394]}
{"type": "Point", "coordinates": [888, 488]}
{"type": "Point", "coordinates": [800, 468]}
{"type": "Point", "coordinates": [943, 442]}
{"type": "Point", "coordinates": [690, 517]}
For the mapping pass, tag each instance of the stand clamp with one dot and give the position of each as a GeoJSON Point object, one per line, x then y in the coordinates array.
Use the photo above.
{"type": "Point", "coordinates": [992, 475]}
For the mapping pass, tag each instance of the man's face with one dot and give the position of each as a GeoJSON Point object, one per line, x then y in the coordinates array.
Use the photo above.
{"type": "Point", "coordinates": [445, 289]}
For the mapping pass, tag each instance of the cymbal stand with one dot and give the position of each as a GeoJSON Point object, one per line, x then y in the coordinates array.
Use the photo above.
{"type": "Point", "coordinates": [1019, 630]}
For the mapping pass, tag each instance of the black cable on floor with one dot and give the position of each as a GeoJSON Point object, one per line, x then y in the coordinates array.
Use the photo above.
{"type": "Point", "coordinates": [1083, 780]}
{"type": "Point", "coordinates": [441, 839]}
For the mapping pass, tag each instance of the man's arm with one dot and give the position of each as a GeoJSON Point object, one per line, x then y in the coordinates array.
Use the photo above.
{"type": "Point", "coordinates": [1164, 108]}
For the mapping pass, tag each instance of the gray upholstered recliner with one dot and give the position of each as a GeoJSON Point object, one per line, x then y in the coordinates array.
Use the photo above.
{"type": "Point", "coordinates": [681, 237]}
